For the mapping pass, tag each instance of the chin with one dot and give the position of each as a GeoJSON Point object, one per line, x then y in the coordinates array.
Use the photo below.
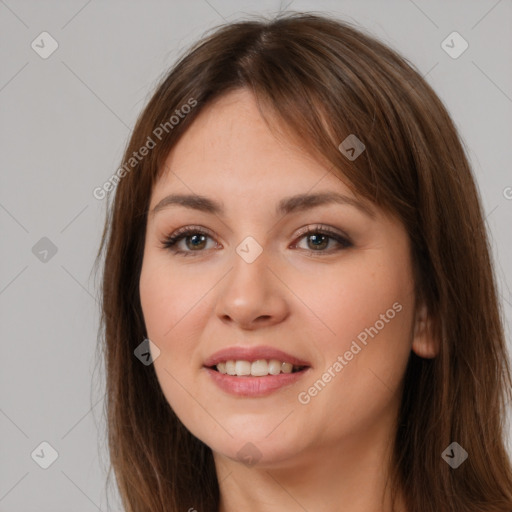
{"type": "Point", "coordinates": [256, 446]}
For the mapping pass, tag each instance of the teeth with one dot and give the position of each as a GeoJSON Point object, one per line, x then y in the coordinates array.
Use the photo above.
{"type": "Point", "coordinates": [243, 368]}
{"type": "Point", "coordinates": [274, 367]}
{"type": "Point", "coordinates": [287, 368]}
{"type": "Point", "coordinates": [230, 367]}
{"type": "Point", "coordinates": [258, 368]}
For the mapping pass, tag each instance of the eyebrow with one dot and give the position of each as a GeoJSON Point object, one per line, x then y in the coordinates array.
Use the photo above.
{"type": "Point", "coordinates": [286, 206]}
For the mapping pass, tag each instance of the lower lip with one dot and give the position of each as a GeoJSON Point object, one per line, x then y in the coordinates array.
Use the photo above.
{"type": "Point", "coordinates": [254, 386]}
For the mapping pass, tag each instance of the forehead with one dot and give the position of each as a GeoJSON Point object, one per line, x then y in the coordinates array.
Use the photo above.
{"type": "Point", "coordinates": [229, 149]}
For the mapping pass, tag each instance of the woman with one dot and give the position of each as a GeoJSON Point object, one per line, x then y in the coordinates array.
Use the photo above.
{"type": "Point", "coordinates": [299, 306]}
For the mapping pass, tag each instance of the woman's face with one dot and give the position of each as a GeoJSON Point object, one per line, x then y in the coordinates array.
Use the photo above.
{"type": "Point", "coordinates": [248, 280]}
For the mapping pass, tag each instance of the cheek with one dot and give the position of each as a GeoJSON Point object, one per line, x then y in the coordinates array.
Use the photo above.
{"type": "Point", "coordinates": [167, 297]}
{"type": "Point", "coordinates": [348, 298]}
{"type": "Point", "coordinates": [156, 301]}
{"type": "Point", "coordinates": [175, 305]}
{"type": "Point", "coordinates": [170, 306]}
{"type": "Point", "coordinates": [368, 301]}
{"type": "Point", "coordinates": [368, 308]}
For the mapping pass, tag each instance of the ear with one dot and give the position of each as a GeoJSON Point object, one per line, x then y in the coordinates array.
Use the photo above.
{"type": "Point", "coordinates": [424, 343]}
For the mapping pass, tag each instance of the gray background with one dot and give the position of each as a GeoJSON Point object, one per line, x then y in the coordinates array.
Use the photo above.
{"type": "Point", "coordinates": [63, 126]}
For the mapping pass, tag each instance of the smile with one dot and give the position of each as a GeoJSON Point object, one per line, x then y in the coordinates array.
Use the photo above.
{"type": "Point", "coordinates": [257, 371]}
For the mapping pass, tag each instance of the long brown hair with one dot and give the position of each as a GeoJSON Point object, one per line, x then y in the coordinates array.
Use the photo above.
{"type": "Point", "coordinates": [325, 79]}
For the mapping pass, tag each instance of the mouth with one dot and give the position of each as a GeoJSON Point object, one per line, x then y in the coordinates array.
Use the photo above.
{"type": "Point", "coordinates": [257, 368]}
{"type": "Point", "coordinates": [254, 371]}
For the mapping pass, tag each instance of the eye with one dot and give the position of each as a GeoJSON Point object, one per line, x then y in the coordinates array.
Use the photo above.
{"type": "Point", "coordinates": [319, 237]}
{"type": "Point", "coordinates": [195, 239]}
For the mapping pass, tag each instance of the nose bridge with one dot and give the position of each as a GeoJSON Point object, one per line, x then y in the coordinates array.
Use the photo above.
{"type": "Point", "coordinates": [249, 279]}
{"type": "Point", "coordinates": [250, 291]}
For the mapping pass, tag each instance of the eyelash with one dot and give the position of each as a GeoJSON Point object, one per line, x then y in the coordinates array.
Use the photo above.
{"type": "Point", "coordinates": [172, 240]}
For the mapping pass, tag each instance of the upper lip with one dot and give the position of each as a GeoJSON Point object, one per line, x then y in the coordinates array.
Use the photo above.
{"type": "Point", "coordinates": [252, 354]}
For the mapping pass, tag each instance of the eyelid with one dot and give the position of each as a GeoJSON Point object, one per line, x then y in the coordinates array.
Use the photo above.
{"type": "Point", "coordinates": [321, 228]}
{"type": "Point", "coordinates": [191, 227]}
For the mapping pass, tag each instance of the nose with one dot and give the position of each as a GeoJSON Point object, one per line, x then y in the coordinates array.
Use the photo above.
{"type": "Point", "coordinates": [252, 296]}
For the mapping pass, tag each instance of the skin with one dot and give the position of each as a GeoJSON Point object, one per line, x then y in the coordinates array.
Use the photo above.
{"type": "Point", "coordinates": [334, 449]}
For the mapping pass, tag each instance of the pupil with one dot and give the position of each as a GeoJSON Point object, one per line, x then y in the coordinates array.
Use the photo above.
{"type": "Point", "coordinates": [195, 237]}
{"type": "Point", "coordinates": [316, 238]}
